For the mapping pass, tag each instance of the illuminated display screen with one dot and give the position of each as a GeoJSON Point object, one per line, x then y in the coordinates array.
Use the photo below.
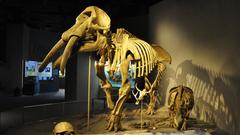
{"type": "Point", "coordinates": [31, 69]}
{"type": "Point", "coordinates": [46, 74]}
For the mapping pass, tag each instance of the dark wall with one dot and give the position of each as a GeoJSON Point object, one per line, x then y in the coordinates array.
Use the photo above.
{"type": "Point", "coordinates": [11, 69]}
{"type": "Point", "coordinates": [71, 79]}
{"type": "Point", "coordinates": [3, 43]}
{"type": "Point", "coordinates": [22, 42]}
{"type": "Point", "coordinates": [203, 40]}
{"type": "Point", "coordinates": [40, 42]}
{"type": "Point", "coordinates": [137, 25]}
{"type": "Point", "coordinates": [77, 78]}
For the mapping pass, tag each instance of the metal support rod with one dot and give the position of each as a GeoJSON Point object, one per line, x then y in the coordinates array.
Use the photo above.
{"type": "Point", "coordinates": [89, 91]}
{"type": "Point", "coordinates": [141, 114]}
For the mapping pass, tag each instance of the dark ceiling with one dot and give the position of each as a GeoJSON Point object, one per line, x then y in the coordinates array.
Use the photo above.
{"type": "Point", "coordinates": [56, 15]}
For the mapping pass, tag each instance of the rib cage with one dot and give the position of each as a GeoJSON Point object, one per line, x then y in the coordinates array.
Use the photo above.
{"type": "Point", "coordinates": [145, 57]}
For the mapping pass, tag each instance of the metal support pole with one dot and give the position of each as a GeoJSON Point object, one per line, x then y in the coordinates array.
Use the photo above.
{"type": "Point", "coordinates": [141, 114]}
{"type": "Point", "coordinates": [89, 91]}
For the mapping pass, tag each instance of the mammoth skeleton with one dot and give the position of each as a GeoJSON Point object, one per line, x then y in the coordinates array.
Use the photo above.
{"type": "Point", "coordinates": [118, 49]}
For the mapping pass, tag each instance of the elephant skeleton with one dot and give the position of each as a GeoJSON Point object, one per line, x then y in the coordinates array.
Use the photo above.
{"type": "Point", "coordinates": [92, 28]}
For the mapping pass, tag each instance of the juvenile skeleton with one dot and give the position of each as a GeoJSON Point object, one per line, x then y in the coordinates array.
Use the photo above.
{"type": "Point", "coordinates": [181, 102]}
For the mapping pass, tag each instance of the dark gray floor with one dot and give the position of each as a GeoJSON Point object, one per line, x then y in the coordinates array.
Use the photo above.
{"type": "Point", "coordinates": [8, 101]}
{"type": "Point", "coordinates": [98, 123]}
{"type": "Point", "coordinates": [46, 127]}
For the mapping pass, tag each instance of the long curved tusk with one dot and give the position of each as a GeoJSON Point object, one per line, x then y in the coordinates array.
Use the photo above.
{"type": "Point", "coordinates": [50, 54]}
{"type": "Point", "coordinates": [67, 52]}
{"type": "Point", "coordinates": [57, 63]}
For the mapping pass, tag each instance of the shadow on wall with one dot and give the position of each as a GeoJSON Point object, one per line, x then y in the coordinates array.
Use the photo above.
{"type": "Point", "coordinates": [167, 78]}
{"type": "Point", "coordinates": [216, 94]}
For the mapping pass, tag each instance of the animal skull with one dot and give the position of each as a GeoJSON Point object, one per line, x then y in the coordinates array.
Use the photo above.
{"type": "Point", "coordinates": [90, 27]}
{"type": "Point", "coordinates": [63, 128]}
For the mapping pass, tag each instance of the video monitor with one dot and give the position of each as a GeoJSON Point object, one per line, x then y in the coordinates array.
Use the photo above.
{"type": "Point", "coordinates": [46, 74]}
{"type": "Point", "coordinates": [31, 68]}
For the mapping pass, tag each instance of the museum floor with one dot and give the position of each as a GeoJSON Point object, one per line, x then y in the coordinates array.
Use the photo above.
{"type": "Point", "coordinates": [8, 101]}
{"type": "Point", "coordinates": [130, 123]}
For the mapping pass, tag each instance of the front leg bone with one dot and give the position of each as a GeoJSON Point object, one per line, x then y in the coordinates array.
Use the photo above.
{"type": "Point", "coordinates": [57, 63]}
{"type": "Point", "coordinates": [114, 122]}
{"type": "Point", "coordinates": [106, 86]}
{"type": "Point", "coordinates": [152, 103]}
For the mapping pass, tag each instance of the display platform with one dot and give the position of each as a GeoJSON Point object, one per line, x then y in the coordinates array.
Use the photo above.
{"type": "Point", "coordinates": [156, 124]}
{"type": "Point", "coordinates": [152, 125]}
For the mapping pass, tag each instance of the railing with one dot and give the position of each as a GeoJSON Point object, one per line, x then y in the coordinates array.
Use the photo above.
{"type": "Point", "coordinates": [34, 113]}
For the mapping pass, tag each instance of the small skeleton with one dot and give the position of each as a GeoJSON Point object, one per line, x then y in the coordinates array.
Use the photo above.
{"type": "Point", "coordinates": [181, 102]}
{"type": "Point", "coordinates": [118, 49]}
